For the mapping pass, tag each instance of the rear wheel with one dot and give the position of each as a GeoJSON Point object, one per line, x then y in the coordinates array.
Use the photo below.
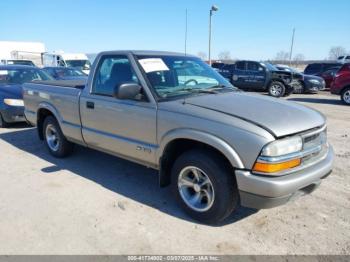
{"type": "Point", "coordinates": [276, 89]}
{"type": "Point", "coordinates": [3, 123]}
{"type": "Point", "coordinates": [56, 142]}
{"type": "Point", "coordinates": [345, 96]}
{"type": "Point", "coordinates": [204, 186]}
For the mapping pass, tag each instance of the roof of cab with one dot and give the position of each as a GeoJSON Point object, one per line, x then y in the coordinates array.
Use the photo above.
{"type": "Point", "coordinates": [144, 52]}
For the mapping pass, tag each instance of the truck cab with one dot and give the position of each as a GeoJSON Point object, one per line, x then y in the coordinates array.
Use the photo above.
{"type": "Point", "coordinates": [78, 61]}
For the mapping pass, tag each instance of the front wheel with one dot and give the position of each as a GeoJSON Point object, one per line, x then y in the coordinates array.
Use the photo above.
{"type": "Point", "coordinates": [3, 123]}
{"type": "Point", "coordinates": [56, 142]}
{"type": "Point", "coordinates": [276, 89]}
{"type": "Point", "coordinates": [345, 96]}
{"type": "Point", "coordinates": [204, 186]}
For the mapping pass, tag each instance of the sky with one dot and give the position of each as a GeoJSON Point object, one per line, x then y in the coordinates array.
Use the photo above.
{"type": "Point", "coordinates": [248, 29]}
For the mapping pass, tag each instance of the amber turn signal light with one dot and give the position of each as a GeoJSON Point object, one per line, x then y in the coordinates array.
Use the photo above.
{"type": "Point", "coordinates": [275, 167]}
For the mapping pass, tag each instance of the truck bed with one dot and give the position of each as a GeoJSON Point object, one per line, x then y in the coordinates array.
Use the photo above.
{"type": "Point", "coordinates": [60, 97]}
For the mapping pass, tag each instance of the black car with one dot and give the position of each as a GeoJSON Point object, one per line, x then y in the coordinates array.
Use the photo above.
{"type": "Point", "coordinates": [258, 76]}
{"type": "Point", "coordinates": [11, 99]}
{"type": "Point", "coordinates": [65, 73]}
{"type": "Point", "coordinates": [317, 69]}
{"type": "Point", "coordinates": [306, 83]}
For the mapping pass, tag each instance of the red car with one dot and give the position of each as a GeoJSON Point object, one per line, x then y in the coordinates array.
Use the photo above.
{"type": "Point", "coordinates": [341, 84]}
{"type": "Point", "coordinates": [329, 76]}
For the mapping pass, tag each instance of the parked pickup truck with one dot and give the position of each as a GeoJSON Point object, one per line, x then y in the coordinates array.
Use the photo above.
{"type": "Point", "coordinates": [253, 75]}
{"type": "Point", "coordinates": [214, 144]}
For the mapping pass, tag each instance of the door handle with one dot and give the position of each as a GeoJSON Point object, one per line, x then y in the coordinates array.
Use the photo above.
{"type": "Point", "coordinates": [90, 104]}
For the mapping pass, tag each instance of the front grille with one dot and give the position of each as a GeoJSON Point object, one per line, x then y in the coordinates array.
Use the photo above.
{"type": "Point", "coordinates": [315, 146]}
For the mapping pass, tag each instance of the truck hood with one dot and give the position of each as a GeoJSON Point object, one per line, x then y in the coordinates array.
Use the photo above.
{"type": "Point", "coordinates": [12, 91]}
{"type": "Point", "coordinates": [277, 116]}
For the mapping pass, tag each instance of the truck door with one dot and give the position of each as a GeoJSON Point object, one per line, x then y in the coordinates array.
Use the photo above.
{"type": "Point", "coordinates": [240, 75]}
{"type": "Point", "coordinates": [122, 127]}
{"type": "Point", "coordinates": [257, 75]}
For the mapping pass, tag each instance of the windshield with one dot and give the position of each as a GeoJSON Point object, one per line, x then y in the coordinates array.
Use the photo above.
{"type": "Point", "coordinates": [269, 66]}
{"type": "Point", "coordinates": [62, 72]}
{"type": "Point", "coordinates": [81, 64]}
{"type": "Point", "coordinates": [172, 76]}
{"type": "Point", "coordinates": [20, 76]}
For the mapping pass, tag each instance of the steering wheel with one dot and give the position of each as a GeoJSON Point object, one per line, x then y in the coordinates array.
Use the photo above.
{"type": "Point", "coordinates": [191, 80]}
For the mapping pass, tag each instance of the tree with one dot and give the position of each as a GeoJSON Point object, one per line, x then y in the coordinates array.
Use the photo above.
{"type": "Point", "coordinates": [202, 55]}
{"type": "Point", "coordinates": [298, 58]}
{"type": "Point", "coordinates": [282, 56]}
{"type": "Point", "coordinates": [225, 55]}
{"type": "Point", "coordinates": [335, 52]}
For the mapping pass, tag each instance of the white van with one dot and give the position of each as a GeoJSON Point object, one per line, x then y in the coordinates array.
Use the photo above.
{"type": "Point", "coordinates": [79, 61]}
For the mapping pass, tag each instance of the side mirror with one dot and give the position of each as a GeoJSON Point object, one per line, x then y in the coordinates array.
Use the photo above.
{"type": "Point", "coordinates": [127, 90]}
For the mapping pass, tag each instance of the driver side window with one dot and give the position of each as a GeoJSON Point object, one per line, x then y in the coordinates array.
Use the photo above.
{"type": "Point", "coordinates": [111, 72]}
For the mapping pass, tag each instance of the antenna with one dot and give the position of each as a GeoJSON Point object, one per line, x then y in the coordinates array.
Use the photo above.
{"type": "Point", "coordinates": [186, 32]}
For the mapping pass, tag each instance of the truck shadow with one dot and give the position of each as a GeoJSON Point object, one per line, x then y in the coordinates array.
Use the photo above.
{"type": "Point", "coordinates": [120, 176]}
{"type": "Point", "coordinates": [335, 101]}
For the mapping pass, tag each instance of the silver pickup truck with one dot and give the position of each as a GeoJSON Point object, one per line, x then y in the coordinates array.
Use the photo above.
{"type": "Point", "coordinates": [216, 146]}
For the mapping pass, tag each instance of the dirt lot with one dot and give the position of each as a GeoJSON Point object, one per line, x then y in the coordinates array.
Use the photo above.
{"type": "Point", "coordinates": [92, 203]}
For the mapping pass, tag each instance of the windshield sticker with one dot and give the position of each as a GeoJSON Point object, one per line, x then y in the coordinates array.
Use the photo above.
{"type": "Point", "coordinates": [3, 72]}
{"type": "Point", "coordinates": [153, 65]}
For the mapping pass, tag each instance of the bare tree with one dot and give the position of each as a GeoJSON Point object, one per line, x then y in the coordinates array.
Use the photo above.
{"type": "Point", "coordinates": [335, 52]}
{"type": "Point", "coordinates": [225, 55]}
{"type": "Point", "coordinates": [202, 55]}
{"type": "Point", "coordinates": [282, 56]}
{"type": "Point", "coordinates": [298, 58]}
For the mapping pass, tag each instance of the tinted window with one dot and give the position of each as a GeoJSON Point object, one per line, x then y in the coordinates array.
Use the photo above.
{"type": "Point", "coordinates": [313, 69]}
{"type": "Point", "coordinates": [240, 65]}
{"type": "Point", "coordinates": [254, 66]}
{"type": "Point", "coordinates": [112, 71]}
{"type": "Point", "coordinates": [340, 57]}
{"type": "Point", "coordinates": [348, 57]}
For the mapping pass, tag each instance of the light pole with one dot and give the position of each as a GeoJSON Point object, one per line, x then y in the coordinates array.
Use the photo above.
{"type": "Point", "coordinates": [213, 9]}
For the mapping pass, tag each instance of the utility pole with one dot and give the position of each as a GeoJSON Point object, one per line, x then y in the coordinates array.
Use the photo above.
{"type": "Point", "coordinates": [213, 9]}
{"type": "Point", "coordinates": [291, 48]}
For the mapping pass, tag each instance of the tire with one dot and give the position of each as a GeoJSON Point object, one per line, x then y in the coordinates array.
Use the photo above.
{"type": "Point", "coordinates": [345, 96]}
{"type": "Point", "coordinates": [3, 123]}
{"type": "Point", "coordinates": [276, 89]}
{"type": "Point", "coordinates": [221, 186]}
{"type": "Point", "coordinates": [55, 141]}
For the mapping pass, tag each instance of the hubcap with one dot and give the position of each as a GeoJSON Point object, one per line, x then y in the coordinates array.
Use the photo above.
{"type": "Point", "coordinates": [52, 137]}
{"type": "Point", "coordinates": [196, 189]}
{"type": "Point", "coordinates": [346, 97]}
{"type": "Point", "coordinates": [276, 90]}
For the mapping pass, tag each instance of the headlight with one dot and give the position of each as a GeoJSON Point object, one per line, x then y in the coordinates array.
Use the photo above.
{"type": "Point", "coordinates": [13, 102]}
{"type": "Point", "coordinates": [279, 155]}
{"type": "Point", "coordinates": [314, 81]}
{"type": "Point", "coordinates": [283, 147]}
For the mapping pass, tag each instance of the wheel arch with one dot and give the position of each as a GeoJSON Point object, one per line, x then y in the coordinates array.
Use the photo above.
{"type": "Point", "coordinates": [44, 110]}
{"type": "Point", "coordinates": [178, 141]}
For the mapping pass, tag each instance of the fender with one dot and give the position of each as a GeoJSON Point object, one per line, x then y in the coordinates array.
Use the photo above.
{"type": "Point", "coordinates": [206, 138]}
{"type": "Point", "coordinates": [52, 109]}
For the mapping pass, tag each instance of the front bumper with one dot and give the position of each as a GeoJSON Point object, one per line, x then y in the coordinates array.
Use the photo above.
{"type": "Point", "coordinates": [13, 114]}
{"type": "Point", "coordinates": [267, 192]}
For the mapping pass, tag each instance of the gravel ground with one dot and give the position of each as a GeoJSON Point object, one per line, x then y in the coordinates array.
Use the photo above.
{"type": "Point", "coordinates": [93, 203]}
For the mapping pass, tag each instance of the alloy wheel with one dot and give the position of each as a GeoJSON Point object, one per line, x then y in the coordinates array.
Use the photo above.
{"type": "Point", "coordinates": [196, 189]}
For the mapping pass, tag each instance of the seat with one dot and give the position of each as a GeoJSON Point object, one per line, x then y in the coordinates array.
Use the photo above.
{"type": "Point", "coordinates": [120, 73]}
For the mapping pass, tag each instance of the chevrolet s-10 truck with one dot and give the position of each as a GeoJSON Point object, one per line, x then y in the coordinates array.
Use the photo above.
{"type": "Point", "coordinates": [217, 147]}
